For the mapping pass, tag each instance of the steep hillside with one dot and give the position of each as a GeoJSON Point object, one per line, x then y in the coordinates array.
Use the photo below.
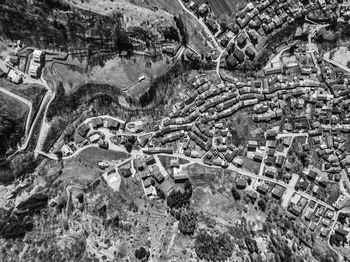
{"type": "Point", "coordinates": [52, 24]}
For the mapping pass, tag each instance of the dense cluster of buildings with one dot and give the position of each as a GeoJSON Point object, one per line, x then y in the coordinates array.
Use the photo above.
{"type": "Point", "coordinates": [16, 66]}
{"type": "Point", "coordinates": [247, 33]}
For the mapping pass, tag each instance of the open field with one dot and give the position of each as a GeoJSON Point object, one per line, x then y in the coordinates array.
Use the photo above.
{"type": "Point", "coordinates": [133, 15]}
{"type": "Point", "coordinates": [123, 73]}
{"type": "Point", "coordinates": [83, 168]}
{"type": "Point", "coordinates": [197, 36]}
{"type": "Point", "coordinates": [33, 93]}
{"type": "Point", "coordinates": [93, 155]}
{"type": "Point", "coordinates": [341, 55]}
{"type": "Point", "coordinates": [15, 108]}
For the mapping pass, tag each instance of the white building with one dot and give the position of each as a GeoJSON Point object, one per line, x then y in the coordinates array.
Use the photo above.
{"type": "Point", "coordinates": [34, 69]}
{"type": "Point", "coordinates": [38, 55]}
{"type": "Point", "coordinates": [94, 138]}
{"type": "Point", "coordinates": [14, 77]}
{"type": "Point", "coordinates": [66, 150]}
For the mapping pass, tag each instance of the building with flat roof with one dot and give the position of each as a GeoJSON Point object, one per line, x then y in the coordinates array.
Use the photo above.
{"type": "Point", "coordinates": [38, 56]}
{"type": "Point", "coordinates": [14, 77]}
{"type": "Point", "coordinates": [180, 177]}
{"type": "Point", "coordinates": [34, 69]}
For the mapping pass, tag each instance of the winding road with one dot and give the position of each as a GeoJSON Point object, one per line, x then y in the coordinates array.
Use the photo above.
{"type": "Point", "coordinates": [47, 99]}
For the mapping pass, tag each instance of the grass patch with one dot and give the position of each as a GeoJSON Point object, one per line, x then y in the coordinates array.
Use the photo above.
{"type": "Point", "coordinates": [93, 155]}
{"type": "Point", "coordinates": [34, 93]}
{"type": "Point", "coordinates": [251, 165]}
{"type": "Point", "coordinates": [83, 167]}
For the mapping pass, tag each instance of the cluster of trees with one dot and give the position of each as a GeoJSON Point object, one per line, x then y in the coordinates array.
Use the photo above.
{"type": "Point", "coordinates": [187, 220]}
{"type": "Point", "coordinates": [14, 227]}
{"type": "Point", "coordinates": [178, 199]}
{"type": "Point", "coordinates": [281, 250]}
{"type": "Point", "coordinates": [262, 205]}
{"type": "Point", "coordinates": [182, 28]}
{"type": "Point", "coordinates": [142, 34]}
{"type": "Point", "coordinates": [337, 240]}
{"type": "Point", "coordinates": [33, 204]}
{"type": "Point", "coordinates": [160, 193]}
{"type": "Point", "coordinates": [213, 248]}
{"type": "Point", "coordinates": [142, 254]}
{"type": "Point", "coordinates": [251, 67]}
{"type": "Point", "coordinates": [15, 224]}
{"type": "Point", "coordinates": [342, 217]}
{"type": "Point", "coordinates": [130, 143]}
{"type": "Point", "coordinates": [171, 33]}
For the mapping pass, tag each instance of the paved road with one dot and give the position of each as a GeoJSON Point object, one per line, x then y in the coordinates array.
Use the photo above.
{"type": "Point", "coordinates": [48, 99]}
{"type": "Point", "coordinates": [249, 174]}
{"type": "Point", "coordinates": [331, 61]}
{"type": "Point", "coordinates": [210, 34]}
{"type": "Point", "coordinates": [312, 47]}
{"type": "Point", "coordinates": [44, 103]}
{"type": "Point", "coordinates": [218, 62]}
{"type": "Point", "coordinates": [25, 101]}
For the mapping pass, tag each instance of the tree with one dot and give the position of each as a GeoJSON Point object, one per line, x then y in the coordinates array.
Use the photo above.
{"type": "Point", "coordinates": [171, 33]}
{"type": "Point", "coordinates": [160, 193]}
{"type": "Point", "coordinates": [182, 28]}
{"type": "Point", "coordinates": [188, 187]}
{"type": "Point", "coordinates": [128, 147]}
{"type": "Point", "coordinates": [262, 205]}
{"type": "Point", "coordinates": [188, 222]}
{"type": "Point", "coordinates": [235, 194]}
{"type": "Point", "coordinates": [249, 181]}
